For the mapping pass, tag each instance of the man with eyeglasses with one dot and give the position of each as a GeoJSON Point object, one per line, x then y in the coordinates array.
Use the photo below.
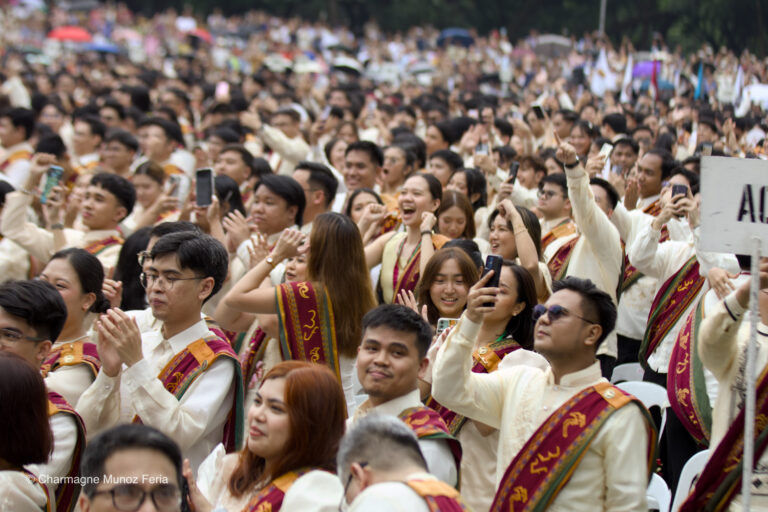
{"type": "Point", "coordinates": [568, 439]}
{"type": "Point", "coordinates": [383, 469]}
{"type": "Point", "coordinates": [557, 226]}
{"type": "Point", "coordinates": [181, 378]}
{"type": "Point", "coordinates": [131, 468]}
{"type": "Point", "coordinates": [32, 314]}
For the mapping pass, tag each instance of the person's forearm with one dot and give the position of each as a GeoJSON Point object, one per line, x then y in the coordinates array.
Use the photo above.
{"type": "Point", "coordinates": [427, 250]}
{"type": "Point", "coordinates": [237, 298]}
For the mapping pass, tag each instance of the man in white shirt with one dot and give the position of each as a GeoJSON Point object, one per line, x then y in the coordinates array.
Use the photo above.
{"type": "Point", "coordinates": [282, 135]}
{"type": "Point", "coordinates": [384, 470]}
{"type": "Point", "coordinates": [158, 139]}
{"type": "Point", "coordinates": [32, 314]}
{"type": "Point", "coordinates": [557, 227]}
{"type": "Point", "coordinates": [390, 360]}
{"type": "Point", "coordinates": [362, 165]}
{"type": "Point", "coordinates": [172, 379]}
{"type": "Point", "coordinates": [319, 186]}
{"type": "Point", "coordinates": [89, 132]}
{"type": "Point", "coordinates": [613, 472]}
{"type": "Point", "coordinates": [119, 151]}
{"type": "Point", "coordinates": [16, 127]}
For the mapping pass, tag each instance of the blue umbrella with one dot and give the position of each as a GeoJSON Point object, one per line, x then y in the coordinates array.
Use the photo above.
{"type": "Point", "coordinates": [101, 48]}
{"type": "Point", "coordinates": [455, 35]}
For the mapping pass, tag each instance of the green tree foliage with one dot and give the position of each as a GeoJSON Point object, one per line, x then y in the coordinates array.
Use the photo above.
{"type": "Point", "coordinates": [736, 24]}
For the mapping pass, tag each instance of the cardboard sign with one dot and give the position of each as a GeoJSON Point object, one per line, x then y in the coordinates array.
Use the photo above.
{"type": "Point", "coordinates": [734, 204]}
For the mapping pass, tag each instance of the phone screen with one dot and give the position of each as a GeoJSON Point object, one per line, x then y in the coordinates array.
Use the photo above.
{"type": "Point", "coordinates": [492, 262]}
{"type": "Point", "coordinates": [204, 187]}
{"type": "Point", "coordinates": [538, 111]}
{"type": "Point", "coordinates": [52, 178]}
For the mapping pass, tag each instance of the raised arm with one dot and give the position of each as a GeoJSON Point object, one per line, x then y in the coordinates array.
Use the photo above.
{"type": "Point", "coordinates": [526, 249]}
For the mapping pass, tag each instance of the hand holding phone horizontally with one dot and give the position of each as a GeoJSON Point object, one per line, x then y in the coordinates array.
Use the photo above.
{"type": "Point", "coordinates": [204, 187]}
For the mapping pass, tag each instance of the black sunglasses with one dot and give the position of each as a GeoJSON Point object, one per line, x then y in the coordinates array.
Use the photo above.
{"type": "Point", "coordinates": [555, 312]}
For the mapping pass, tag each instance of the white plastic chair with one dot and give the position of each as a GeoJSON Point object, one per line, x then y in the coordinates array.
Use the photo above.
{"type": "Point", "coordinates": [651, 395]}
{"type": "Point", "coordinates": [691, 470]}
{"type": "Point", "coordinates": [658, 494]}
{"type": "Point", "coordinates": [627, 372]}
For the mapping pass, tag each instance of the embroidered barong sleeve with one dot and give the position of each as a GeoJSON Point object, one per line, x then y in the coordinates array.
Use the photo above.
{"type": "Point", "coordinates": [316, 491]}
{"type": "Point", "coordinates": [203, 407]}
{"type": "Point", "coordinates": [454, 385]}
{"type": "Point", "coordinates": [99, 405]}
{"type": "Point", "coordinates": [64, 430]}
{"type": "Point", "coordinates": [718, 338]}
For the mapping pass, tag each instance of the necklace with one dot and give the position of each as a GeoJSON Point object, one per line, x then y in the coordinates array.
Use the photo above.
{"type": "Point", "coordinates": [73, 339]}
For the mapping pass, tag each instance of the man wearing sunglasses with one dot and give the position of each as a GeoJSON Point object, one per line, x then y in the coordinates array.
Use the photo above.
{"type": "Point", "coordinates": [181, 378]}
{"type": "Point", "coordinates": [568, 440]}
{"type": "Point", "coordinates": [131, 468]}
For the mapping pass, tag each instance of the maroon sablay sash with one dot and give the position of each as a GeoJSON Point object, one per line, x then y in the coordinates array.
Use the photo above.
{"type": "Point", "coordinates": [671, 301]}
{"type": "Point", "coordinates": [214, 327]}
{"type": "Point", "coordinates": [686, 386]}
{"type": "Point", "coordinates": [439, 496]}
{"type": "Point", "coordinates": [565, 228]}
{"type": "Point", "coordinates": [253, 353]}
{"type": "Point", "coordinates": [189, 364]}
{"type": "Point", "coordinates": [407, 278]}
{"type": "Point", "coordinates": [551, 455]}
{"type": "Point", "coordinates": [270, 498]}
{"type": "Point", "coordinates": [720, 481]}
{"type": "Point", "coordinates": [558, 264]}
{"type": "Point", "coordinates": [70, 354]}
{"type": "Point", "coordinates": [307, 325]}
{"type": "Point", "coordinates": [486, 360]}
{"type": "Point", "coordinates": [20, 154]}
{"type": "Point", "coordinates": [68, 491]}
{"type": "Point", "coordinates": [36, 481]}
{"type": "Point", "coordinates": [100, 246]}
{"type": "Point", "coordinates": [427, 424]}
{"type": "Point", "coordinates": [631, 275]}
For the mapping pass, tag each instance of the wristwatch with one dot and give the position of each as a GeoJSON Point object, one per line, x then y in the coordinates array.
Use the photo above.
{"type": "Point", "coordinates": [271, 261]}
{"type": "Point", "coordinates": [573, 165]}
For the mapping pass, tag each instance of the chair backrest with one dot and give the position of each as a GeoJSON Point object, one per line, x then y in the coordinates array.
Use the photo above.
{"type": "Point", "coordinates": [647, 392]}
{"type": "Point", "coordinates": [691, 470]}
{"type": "Point", "coordinates": [627, 372]}
{"type": "Point", "coordinates": [658, 494]}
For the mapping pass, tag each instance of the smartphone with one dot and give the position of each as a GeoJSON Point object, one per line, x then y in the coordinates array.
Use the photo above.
{"type": "Point", "coordinates": [606, 149]}
{"type": "Point", "coordinates": [706, 149]}
{"type": "Point", "coordinates": [52, 179]}
{"type": "Point", "coordinates": [513, 168]}
{"type": "Point", "coordinates": [481, 149]}
{"type": "Point", "coordinates": [172, 185]}
{"type": "Point", "coordinates": [538, 111]}
{"type": "Point", "coordinates": [616, 169]}
{"type": "Point", "coordinates": [678, 189]}
{"type": "Point", "coordinates": [204, 187]}
{"type": "Point", "coordinates": [492, 262]}
{"type": "Point", "coordinates": [444, 323]}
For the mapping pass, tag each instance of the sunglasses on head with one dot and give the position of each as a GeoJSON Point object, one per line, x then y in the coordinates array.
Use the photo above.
{"type": "Point", "coordinates": [555, 312]}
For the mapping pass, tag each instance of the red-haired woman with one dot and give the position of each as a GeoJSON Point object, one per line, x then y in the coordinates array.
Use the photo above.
{"type": "Point", "coordinates": [295, 425]}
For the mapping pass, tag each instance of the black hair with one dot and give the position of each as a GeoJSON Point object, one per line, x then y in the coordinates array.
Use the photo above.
{"type": "Point", "coordinates": [665, 141]}
{"type": "Point", "coordinates": [616, 121]}
{"type": "Point", "coordinates": [587, 127]}
{"type": "Point", "coordinates": [476, 184]}
{"type": "Point", "coordinates": [226, 134]}
{"type": "Point", "coordinates": [414, 144]}
{"type": "Point", "coordinates": [468, 246]}
{"type": "Point", "coordinates": [114, 105]}
{"type": "Point", "coordinates": [5, 189]}
{"type": "Point", "coordinates": [435, 188]}
{"type": "Point", "coordinates": [667, 161]}
{"type": "Point", "coordinates": [401, 319]}
{"type": "Point", "coordinates": [37, 303]}
{"type": "Point", "coordinates": [451, 158]}
{"type": "Point", "coordinates": [693, 160]}
{"type": "Point", "coordinates": [287, 188]}
{"type": "Point", "coordinates": [123, 137]}
{"type": "Point", "coordinates": [95, 124]}
{"type": "Point", "coordinates": [568, 115]}
{"type": "Point", "coordinates": [247, 157]}
{"type": "Point", "coordinates": [228, 190]}
{"type": "Point", "coordinates": [692, 177]}
{"type": "Point", "coordinates": [353, 195]}
{"type": "Point", "coordinates": [89, 272]}
{"type": "Point", "coordinates": [320, 176]}
{"type": "Point", "coordinates": [120, 438]}
{"type": "Point", "coordinates": [626, 141]}
{"type": "Point", "coordinates": [520, 326]}
{"type": "Point", "coordinates": [374, 152]}
{"type": "Point", "coordinates": [613, 195]}
{"type": "Point", "coordinates": [119, 187]}
{"type": "Point", "coordinates": [290, 112]}
{"type": "Point", "coordinates": [202, 254]}
{"type": "Point", "coordinates": [51, 143]}
{"type": "Point", "coordinates": [21, 117]}
{"type": "Point", "coordinates": [171, 129]}
{"type": "Point", "coordinates": [531, 222]}
{"type": "Point", "coordinates": [179, 226]}
{"type": "Point", "coordinates": [410, 156]}
{"type": "Point", "coordinates": [504, 127]}
{"type": "Point", "coordinates": [595, 303]}
{"type": "Point", "coordinates": [128, 270]}
{"type": "Point", "coordinates": [558, 179]}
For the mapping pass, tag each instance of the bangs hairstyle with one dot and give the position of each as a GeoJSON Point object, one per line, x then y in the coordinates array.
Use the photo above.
{"type": "Point", "coordinates": [337, 260]}
{"type": "Point", "coordinates": [36, 302]}
{"type": "Point", "coordinates": [316, 410]}
{"type": "Point", "coordinates": [119, 187]}
{"type": "Point", "coordinates": [288, 189]}
{"type": "Point", "coordinates": [469, 273]}
{"type": "Point", "coordinates": [25, 431]}
{"type": "Point", "coordinates": [453, 198]}
{"type": "Point", "coordinates": [202, 254]}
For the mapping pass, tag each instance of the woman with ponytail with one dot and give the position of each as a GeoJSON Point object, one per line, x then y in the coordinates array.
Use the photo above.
{"type": "Point", "coordinates": [74, 362]}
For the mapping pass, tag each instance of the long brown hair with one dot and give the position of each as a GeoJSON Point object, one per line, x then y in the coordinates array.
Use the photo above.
{"type": "Point", "coordinates": [337, 260]}
{"type": "Point", "coordinates": [468, 271]}
{"type": "Point", "coordinates": [316, 410]}
{"type": "Point", "coordinates": [453, 198]}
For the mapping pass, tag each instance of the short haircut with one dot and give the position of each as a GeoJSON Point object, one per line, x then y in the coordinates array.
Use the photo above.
{"type": "Point", "coordinates": [246, 156]}
{"type": "Point", "coordinates": [401, 319]}
{"type": "Point", "coordinates": [613, 195]}
{"type": "Point", "coordinates": [95, 124]}
{"type": "Point", "coordinates": [375, 153]}
{"type": "Point", "coordinates": [535, 162]}
{"type": "Point", "coordinates": [595, 303]}
{"type": "Point", "coordinates": [290, 112]}
{"type": "Point", "coordinates": [616, 121]}
{"type": "Point", "coordinates": [171, 129]}
{"type": "Point", "coordinates": [451, 158]}
{"type": "Point", "coordinates": [119, 187]}
{"type": "Point", "coordinates": [226, 134]}
{"type": "Point", "coordinates": [25, 430]}
{"type": "Point", "coordinates": [36, 302]}
{"type": "Point", "coordinates": [179, 226]}
{"type": "Point", "coordinates": [121, 438]}
{"type": "Point", "coordinates": [692, 177]}
{"type": "Point", "coordinates": [667, 161]}
{"type": "Point", "coordinates": [116, 106]}
{"type": "Point", "coordinates": [21, 118]}
{"type": "Point", "coordinates": [51, 143]}
{"type": "Point", "coordinates": [321, 176]}
{"type": "Point", "coordinates": [123, 137]}
{"type": "Point", "coordinates": [626, 141]}
{"type": "Point", "coordinates": [413, 143]}
{"type": "Point", "coordinates": [568, 115]}
{"type": "Point", "coordinates": [558, 179]}
{"type": "Point", "coordinates": [287, 188]}
{"type": "Point", "coordinates": [385, 443]}
{"type": "Point", "coordinates": [504, 127]}
{"type": "Point", "coordinates": [202, 254]}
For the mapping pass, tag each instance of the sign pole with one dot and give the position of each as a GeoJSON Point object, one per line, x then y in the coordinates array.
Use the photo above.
{"type": "Point", "coordinates": [748, 460]}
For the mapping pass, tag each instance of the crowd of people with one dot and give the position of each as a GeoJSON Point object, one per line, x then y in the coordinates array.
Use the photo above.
{"type": "Point", "coordinates": [260, 264]}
